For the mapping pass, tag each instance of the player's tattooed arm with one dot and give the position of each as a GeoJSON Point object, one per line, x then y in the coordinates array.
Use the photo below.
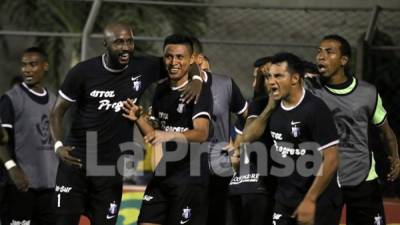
{"type": "Point", "coordinates": [56, 129]}
{"type": "Point", "coordinates": [193, 89]}
{"type": "Point", "coordinates": [388, 137]}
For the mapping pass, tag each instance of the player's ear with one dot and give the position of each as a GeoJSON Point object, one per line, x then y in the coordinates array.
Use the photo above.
{"type": "Point", "coordinates": [200, 59]}
{"type": "Point", "coordinates": [295, 78]}
{"type": "Point", "coordinates": [46, 66]}
{"type": "Point", "coordinates": [192, 59]}
{"type": "Point", "coordinates": [344, 60]}
{"type": "Point", "coordinates": [105, 43]}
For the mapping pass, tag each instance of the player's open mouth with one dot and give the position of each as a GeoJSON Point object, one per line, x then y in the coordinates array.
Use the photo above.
{"type": "Point", "coordinates": [28, 78]}
{"type": "Point", "coordinates": [124, 57]}
{"type": "Point", "coordinates": [274, 91]}
{"type": "Point", "coordinates": [173, 70]}
{"type": "Point", "coordinates": [321, 68]}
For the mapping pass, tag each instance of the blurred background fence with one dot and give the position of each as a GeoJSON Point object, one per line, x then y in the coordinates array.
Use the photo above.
{"type": "Point", "coordinates": [234, 35]}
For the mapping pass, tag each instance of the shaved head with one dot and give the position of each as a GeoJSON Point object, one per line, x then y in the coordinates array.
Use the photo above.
{"type": "Point", "coordinates": [119, 44]}
{"type": "Point", "coordinates": [112, 28]}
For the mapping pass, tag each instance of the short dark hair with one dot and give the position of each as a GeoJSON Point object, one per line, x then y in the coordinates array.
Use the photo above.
{"type": "Point", "coordinates": [179, 39]}
{"type": "Point", "coordinates": [345, 48]}
{"type": "Point", "coordinates": [262, 61]}
{"type": "Point", "coordinates": [37, 50]}
{"type": "Point", "coordinates": [295, 64]}
{"type": "Point", "coordinates": [197, 46]}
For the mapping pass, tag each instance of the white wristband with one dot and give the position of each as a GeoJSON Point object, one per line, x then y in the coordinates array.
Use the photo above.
{"type": "Point", "coordinates": [57, 145]}
{"type": "Point", "coordinates": [9, 164]}
{"type": "Point", "coordinates": [197, 77]}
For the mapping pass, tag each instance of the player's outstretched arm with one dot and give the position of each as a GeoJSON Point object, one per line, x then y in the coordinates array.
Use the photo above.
{"type": "Point", "coordinates": [388, 137]}
{"type": "Point", "coordinates": [305, 212]}
{"type": "Point", "coordinates": [16, 174]}
{"type": "Point", "coordinates": [56, 129]}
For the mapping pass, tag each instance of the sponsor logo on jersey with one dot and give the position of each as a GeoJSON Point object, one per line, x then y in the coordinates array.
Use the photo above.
{"type": "Point", "coordinates": [106, 104]}
{"type": "Point", "coordinates": [248, 178]}
{"type": "Point", "coordinates": [276, 135]}
{"type": "Point", "coordinates": [112, 210]}
{"type": "Point", "coordinates": [288, 150]}
{"type": "Point", "coordinates": [63, 189]}
{"type": "Point", "coordinates": [102, 94]}
{"type": "Point", "coordinates": [186, 215]}
{"type": "Point", "coordinates": [175, 129]}
{"type": "Point", "coordinates": [43, 130]}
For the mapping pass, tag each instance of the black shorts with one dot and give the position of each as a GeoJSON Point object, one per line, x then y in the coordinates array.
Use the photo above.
{"type": "Point", "coordinates": [326, 214]}
{"type": "Point", "coordinates": [251, 209]}
{"type": "Point", "coordinates": [170, 202]}
{"type": "Point", "coordinates": [35, 206]}
{"type": "Point", "coordinates": [97, 197]}
{"type": "Point", "coordinates": [364, 204]}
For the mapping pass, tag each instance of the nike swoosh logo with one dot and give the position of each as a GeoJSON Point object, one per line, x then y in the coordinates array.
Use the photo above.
{"type": "Point", "coordinates": [294, 123]}
{"type": "Point", "coordinates": [135, 78]}
{"type": "Point", "coordinates": [110, 217]}
{"type": "Point", "coordinates": [183, 222]}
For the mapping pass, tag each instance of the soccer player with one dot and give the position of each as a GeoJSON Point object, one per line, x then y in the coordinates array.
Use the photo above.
{"type": "Point", "coordinates": [227, 98]}
{"type": "Point", "coordinates": [355, 104]}
{"type": "Point", "coordinates": [29, 157]}
{"type": "Point", "coordinates": [98, 87]}
{"type": "Point", "coordinates": [303, 134]}
{"type": "Point", "coordinates": [177, 197]}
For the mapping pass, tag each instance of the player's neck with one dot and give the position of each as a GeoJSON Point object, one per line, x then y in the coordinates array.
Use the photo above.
{"type": "Point", "coordinates": [109, 63]}
{"type": "Point", "coordinates": [338, 78]}
{"type": "Point", "coordinates": [179, 84]}
{"type": "Point", "coordinates": [294, 98]}
{"type": "Point", "coordinates": [37, 88]}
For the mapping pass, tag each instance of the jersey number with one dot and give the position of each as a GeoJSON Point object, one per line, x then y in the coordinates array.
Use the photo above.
{"type": "Point", "coordinates": [59, 200]}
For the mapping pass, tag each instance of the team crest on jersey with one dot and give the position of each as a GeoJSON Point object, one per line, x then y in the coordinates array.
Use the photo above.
{"type": "Point", "coordinates": [112, 210]}
{"type": "Point", "coordinates": [186, 214]}
{"type": "Point", "coordinates": [295, 129]}
{"type": "Point", "coordinates": [181, 106]}
{"type": "Point", "coordinates": [378, 220]}
{"type": "Point", "coordinates": [136, 82]}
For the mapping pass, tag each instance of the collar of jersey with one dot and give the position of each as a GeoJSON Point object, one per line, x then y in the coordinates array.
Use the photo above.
{"type": "Point", "coordinates": [180, 86]}
{"type": "Point", "coordinates": [103, 60]}
{"type": "Point", "coordinates": [343, 91]}
{"type": "Point", "coordinates": [34, 92]}
{"type": "Point", "coordinates": [297, 104]}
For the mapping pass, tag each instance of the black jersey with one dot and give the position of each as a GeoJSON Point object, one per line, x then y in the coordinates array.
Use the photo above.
{"type": "Point", "coordinates": [99, 92]}
{"type": "Point", "coordinates": [299, 133]}
{"type": "Point", "coordinates": [174, 115]}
